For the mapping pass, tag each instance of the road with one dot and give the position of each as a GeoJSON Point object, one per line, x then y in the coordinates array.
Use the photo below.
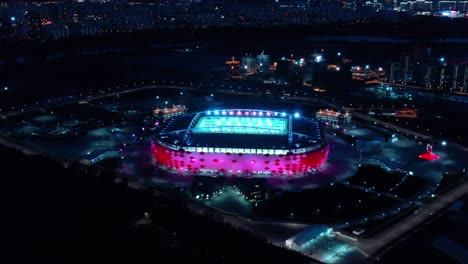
{"type": "Point", "coordinates": [402, 130]}
{"type": "Point", "coordinates": [387, 125]}
{"type": "Point", "coordinates": [372, 245]}
{"type": "Point", "coordinates": [91, 98]}
{"type": "Point", "coordinates": [412, 86]}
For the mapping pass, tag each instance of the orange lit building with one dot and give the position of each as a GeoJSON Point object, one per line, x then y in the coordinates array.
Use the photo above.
{"type": "Point", "coordinates": [333, 117]}
{"type": "Point", "coordinates": [170, 112]}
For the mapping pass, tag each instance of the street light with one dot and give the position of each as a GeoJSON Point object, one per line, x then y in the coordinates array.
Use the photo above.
{"type": "Point", "coordinates": [444, 143]}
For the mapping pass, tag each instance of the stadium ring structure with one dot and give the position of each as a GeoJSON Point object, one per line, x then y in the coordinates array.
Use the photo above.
{"type": "Point", "coordinates": [240, 142]}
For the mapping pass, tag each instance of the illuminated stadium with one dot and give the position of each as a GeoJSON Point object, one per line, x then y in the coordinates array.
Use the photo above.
{"type": "Point", "coordinates": [240, 142]}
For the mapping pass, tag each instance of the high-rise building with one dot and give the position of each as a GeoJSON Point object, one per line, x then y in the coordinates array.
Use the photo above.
{"type": "Point", "coordinates": [392, 71]}
{"type": "Point", "coordinates": [442, 77]}
{"type": "Point", "coordinates": [464, 85]}
{"type": "Point", "coordinates": [406, 69]}
{"type": "Point", "coordinates": [263, 62]}
{"type": "Point", "coordinates": [458, 75]}
{"type": "Point", "coordinates": [249, 65]}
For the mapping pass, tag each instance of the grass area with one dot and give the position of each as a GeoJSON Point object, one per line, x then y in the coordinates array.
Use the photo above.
{"type": "Point", "coordinates": [78, 214]}
{"type": "Point", "coordinates": [375, 227]}
{"type": "Point", "coordinates": [332, 203]}
{"type": "Point", "coordinates": [409, 187]}
{"type": "Point", "coordinates": [376, 177]}
{"type": "Point", "coordinates": [448, 181]}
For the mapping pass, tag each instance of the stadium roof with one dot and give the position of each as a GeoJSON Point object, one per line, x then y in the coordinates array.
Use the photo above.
{"type": "Point", "coordinates": [242, 128]}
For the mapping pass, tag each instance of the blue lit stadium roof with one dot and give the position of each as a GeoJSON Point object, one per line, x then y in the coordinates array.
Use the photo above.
{"type": "Point", "coordinates": [242, 128]}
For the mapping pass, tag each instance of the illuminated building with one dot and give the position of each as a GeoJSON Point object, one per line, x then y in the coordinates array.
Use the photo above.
{"type": "Point", "coordinates": [429, 155]}
{"type": "Point", "coordinates": [307, 236]}
{"type": "Point", "coordinates": [263, 62]}
{"type": "Point", "coordinates": [406, 69]}
{"type": "Point", "coordinates": [170, 112]}
{"type": "Point", "coordinates": [233, 68]}
{"type": "Point", "coordinates": [392, 71]}
{"type": "Point", "coordinates": [332, 117]}
{"type": "Point", "coordinates": [240, 142]}
{"type": "Point", "coordinates": [249, 65]}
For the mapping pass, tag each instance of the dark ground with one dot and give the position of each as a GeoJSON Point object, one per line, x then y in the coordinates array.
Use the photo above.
{"type": "Point", "coordinates": [52, 214]}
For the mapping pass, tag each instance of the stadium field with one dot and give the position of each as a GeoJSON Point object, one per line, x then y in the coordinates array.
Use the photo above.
{"type": "Point", "coordinates": [242, 125]}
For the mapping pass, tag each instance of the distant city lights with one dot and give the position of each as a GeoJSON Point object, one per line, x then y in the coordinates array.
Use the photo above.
{"type": "Point", "coordinates": [318, 58]}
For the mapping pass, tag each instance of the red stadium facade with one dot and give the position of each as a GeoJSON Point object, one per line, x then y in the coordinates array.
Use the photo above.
{"type": "Point", "coordinates": [201, 163]}
{"type": "Point", "coordinates": [240, 142]}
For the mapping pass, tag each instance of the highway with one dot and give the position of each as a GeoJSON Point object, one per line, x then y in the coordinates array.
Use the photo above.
{"type": "Point", "coordinates": [373, 245]}
{"type": "Point", "coordinates": [402, 130]}
{"type": "Point", "coordinates": [412, 86]}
